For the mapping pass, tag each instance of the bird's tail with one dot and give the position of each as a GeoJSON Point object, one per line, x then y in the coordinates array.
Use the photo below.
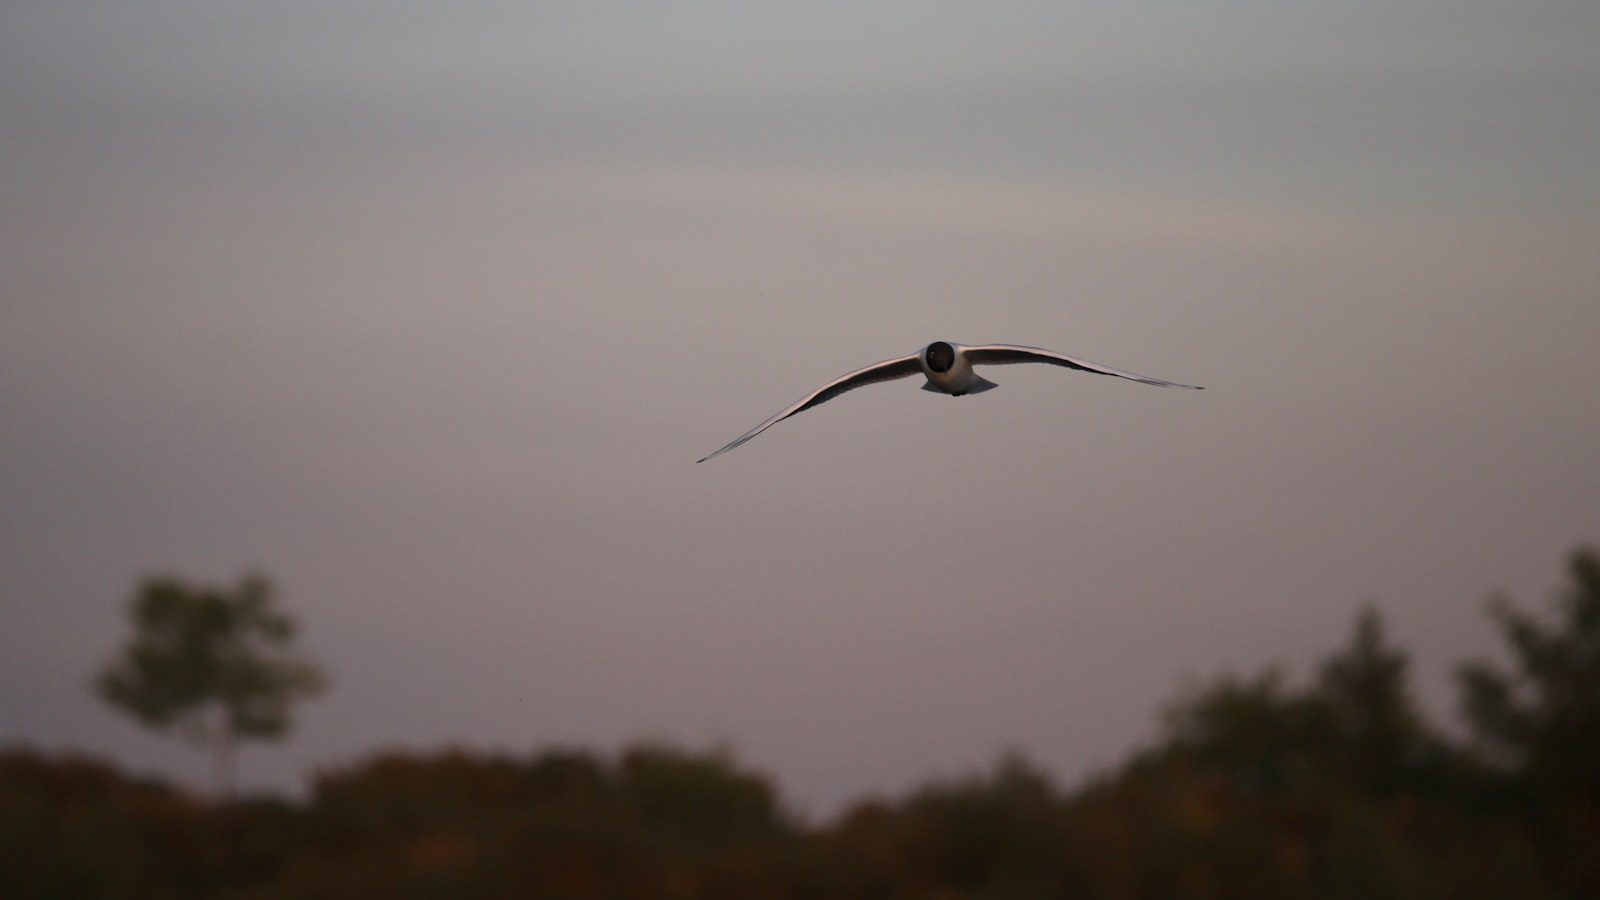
{"type": "Point", "coordinates": [978, 384]}
{"type": "Point", "coordinates": [975, 385]}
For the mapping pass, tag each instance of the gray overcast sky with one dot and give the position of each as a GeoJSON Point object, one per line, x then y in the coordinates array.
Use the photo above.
{"type": "Point", "coordinates": [428, 314]}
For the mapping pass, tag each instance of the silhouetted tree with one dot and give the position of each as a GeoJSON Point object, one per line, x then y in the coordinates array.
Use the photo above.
{"type": "Point", "coordinates": [1380, 737]}
{"type": "Point", "coordinates": [1355, 724]}
{"type": "Point", "coordinates": [1542, 720]}
{"type": "Point", "coordinates": [1266, 734]}
{"type": "Point", "coordinates": [1544, 717]}
{"type": "Point", "coordinates": [211, 664]}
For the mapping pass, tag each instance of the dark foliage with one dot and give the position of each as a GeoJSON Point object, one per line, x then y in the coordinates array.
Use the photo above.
{"type": "Point", "coordinates": [1541, 721]}
{"type": "Point", "coordinates": [1260, 786]}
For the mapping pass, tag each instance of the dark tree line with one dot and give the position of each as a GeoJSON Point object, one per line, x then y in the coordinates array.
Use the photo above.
{"type": "Point", "coordinates": [1333, 785]}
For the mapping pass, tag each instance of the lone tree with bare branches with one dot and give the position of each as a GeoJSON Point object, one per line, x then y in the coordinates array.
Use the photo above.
{"type": "Point", "coordinates": [212, 665]}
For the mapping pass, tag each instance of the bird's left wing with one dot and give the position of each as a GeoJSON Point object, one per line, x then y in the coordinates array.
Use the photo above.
{"type": "Point", "coordinates": [888, 370]}
{"type": "Point", "coordinates": [1006, 354]}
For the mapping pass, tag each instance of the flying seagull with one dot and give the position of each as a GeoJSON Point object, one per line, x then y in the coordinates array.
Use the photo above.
{"type": "Point", "coordinates": [948, 368]}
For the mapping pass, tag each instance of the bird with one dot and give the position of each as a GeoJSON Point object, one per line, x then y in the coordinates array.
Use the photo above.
{"type": "Point", "coordinates": [948, 368]}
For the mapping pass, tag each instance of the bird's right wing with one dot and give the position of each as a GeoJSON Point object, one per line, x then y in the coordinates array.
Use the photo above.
{"type": "Point", "coordinates": [888, 370]}
{"type": "Point", "coordinates": [1006, 354]}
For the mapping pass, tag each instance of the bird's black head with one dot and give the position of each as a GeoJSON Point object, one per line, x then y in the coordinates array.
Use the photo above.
{"type": "Point", "coordinates": [940, 356]}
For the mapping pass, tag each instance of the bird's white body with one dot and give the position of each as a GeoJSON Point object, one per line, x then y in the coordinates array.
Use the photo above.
{"type": "Point", "coordinates": [948, 368]}
{"type": "Point", "coordinates": [958, 380]}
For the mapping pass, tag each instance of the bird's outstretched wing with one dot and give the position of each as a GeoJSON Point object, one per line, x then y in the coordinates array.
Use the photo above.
{"type": "Point", "coordinates": [1008, 354]}
{"type": "Point", "coordinates": [888, 370]}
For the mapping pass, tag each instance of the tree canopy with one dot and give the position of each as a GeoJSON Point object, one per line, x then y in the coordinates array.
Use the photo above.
{"type": "Point", "coordinates": [212, 664]}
